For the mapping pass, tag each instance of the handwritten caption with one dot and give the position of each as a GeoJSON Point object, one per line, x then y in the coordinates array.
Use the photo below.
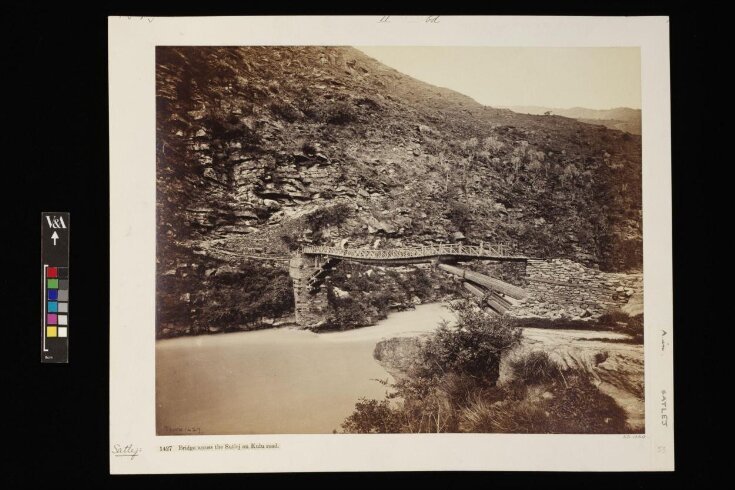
{"type": "Point", "coordinates": [126, 451]}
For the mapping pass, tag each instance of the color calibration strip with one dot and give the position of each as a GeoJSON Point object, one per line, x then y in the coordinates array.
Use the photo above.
{"type": "Point", "coordinates": [57, 304]}
{"type": "Point", "coordinates": [55, 262]}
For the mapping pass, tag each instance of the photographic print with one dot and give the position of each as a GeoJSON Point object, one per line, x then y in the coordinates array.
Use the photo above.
{"type": "Point", "coordinates": [398, 239]}
{"type": "Point", "coordinates": [390, 243]}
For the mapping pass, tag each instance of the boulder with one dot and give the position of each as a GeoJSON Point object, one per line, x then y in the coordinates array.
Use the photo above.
{"type": "Point", "coordinates": [209, 173]}
{"type": "Point", "coordinates": [378, 225]}
{"type": "Point", "coordinates": [246, 213]}
{"type": "Point", "coordinates": [634, 306]}
{"type": "Point", "coordinates": [271, 204]}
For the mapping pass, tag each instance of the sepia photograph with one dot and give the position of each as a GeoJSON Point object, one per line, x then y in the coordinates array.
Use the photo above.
{"type": "Point", "coordinates": [398, 239]}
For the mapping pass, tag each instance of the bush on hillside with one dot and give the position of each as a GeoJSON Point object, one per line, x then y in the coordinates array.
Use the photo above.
{"type": "Point", "coordinates": [285, 111]}
{"type": "Point", "coordinates": [576, 408]}
{"type": "Point", "coordinates": [534, 368]}
{"type": "Point", "coordinates": [460, 214]}
{"type": "Point", "coordinates": [373, 417]}
{"type": "Point", "coordinates": [341, 114]}
{"type": "Point", "coordinates": [328, 216]}
{"type": "Point", "coordinates": [472, 346]}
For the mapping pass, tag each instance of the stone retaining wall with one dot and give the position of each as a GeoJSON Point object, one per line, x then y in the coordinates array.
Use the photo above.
{"type": "Point", "coordinates": [561, 288]}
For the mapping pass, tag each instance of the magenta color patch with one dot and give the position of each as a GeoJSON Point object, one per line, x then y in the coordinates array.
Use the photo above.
{"type": "Point", "coordinates": [51, 319]}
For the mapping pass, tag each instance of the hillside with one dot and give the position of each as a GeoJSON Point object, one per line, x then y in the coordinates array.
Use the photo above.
{"type": "Point", "coordinates": [622, 118]}
{"type": "Point", "coordinates": [262, 149]}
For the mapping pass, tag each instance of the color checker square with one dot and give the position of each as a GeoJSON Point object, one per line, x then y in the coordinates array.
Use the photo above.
{"type": "Point", "coordinates": [63, 294]}
{"type": "Point", "coordinates": [62, 319]}
{"type": "Point", "coordinates": [53, 306]}
{"type": "Point", "coordinates": [51, 272]}
{"type": "Point", "coordinates": [50, 331]}
{"type": "Point", "coordinates": [62, 273]}
{"type": "Point", "coordinates": [63, 307]}
{"type": "Point", "coordinates": [53, 293]}
{"type": "Point", "coordinates": [62, 332]}
{"type": "Point", "coordinates": [51, 318]}
{"type": "Point", "coordinates": [53, 283]}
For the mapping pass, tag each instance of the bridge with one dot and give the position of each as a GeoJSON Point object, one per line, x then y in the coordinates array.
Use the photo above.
{"type": "Point", "coordinates": [425, 253]}
{"type": "Point", "coordinates": [310, 267]}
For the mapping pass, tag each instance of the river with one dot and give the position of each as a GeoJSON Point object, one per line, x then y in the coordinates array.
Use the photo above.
{"type": "Point", "coordinates": [275, 381]}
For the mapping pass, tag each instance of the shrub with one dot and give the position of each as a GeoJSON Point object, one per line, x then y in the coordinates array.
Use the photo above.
{"type": "Point", "coordinates": [581, 408]}
{"type": "Point", "coordinates": [311, 109]}
{"type": "Point", "coordinates": [341, 114]}
{"type": "Point", "coordinates": [373, 417]}
{"type": "Point", "coordinates": [612, 318]}
{"type": "Point", "coordinates": [291, 241]}
{"type": "Point", "coordinates": [473, 346]}
{"type": "Point", "coordinates": [535, 368]}
{"type": "Point", "coordinates": [231, 129]}
{"type": "Point", "coordinates": [369, 103]}
{"type": "Point", "coordinates": [308, 148]}
{"type": "Point", "coordinates": [634, 328]}
{"type": "Point", "coordinates": [328, 216]}
{"type": "Point", "coordinates": [508, 416]}
{"type": "Point", "coordinates": [574, 407]}
{"type": "Point", "coordinates": [346, 313]}
{"type": "Point", "coordinates": [285, 111]}
{"type": "Point", "coordinates": [460, 215]}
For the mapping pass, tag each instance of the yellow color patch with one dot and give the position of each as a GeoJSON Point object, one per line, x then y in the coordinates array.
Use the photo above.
{"type": "Point", "coordinates": [50, 331]}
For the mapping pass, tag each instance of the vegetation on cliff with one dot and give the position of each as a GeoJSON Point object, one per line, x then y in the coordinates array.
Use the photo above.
{"type": "Point", "coordinates": [270, 148]}
{"type": "Point", "coordinates": [359, 295]}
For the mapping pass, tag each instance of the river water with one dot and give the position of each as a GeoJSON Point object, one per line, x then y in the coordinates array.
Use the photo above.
{"type": "Point", "coordinates": [275, 381]}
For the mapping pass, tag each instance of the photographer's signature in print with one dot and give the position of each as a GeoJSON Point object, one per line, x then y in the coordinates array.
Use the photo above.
{"type": "Point", "coordinates": [126, 451]}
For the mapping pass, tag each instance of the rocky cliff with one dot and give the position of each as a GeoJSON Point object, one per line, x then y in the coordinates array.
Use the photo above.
{"type": "Point", "coordinates": [262, 149]}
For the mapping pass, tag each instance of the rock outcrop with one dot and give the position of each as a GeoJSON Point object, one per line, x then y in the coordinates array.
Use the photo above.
{"type": "Point", "coordinates": [615, 365]}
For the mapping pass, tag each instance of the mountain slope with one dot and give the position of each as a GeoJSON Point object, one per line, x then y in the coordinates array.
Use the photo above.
{"type": "Point", "coordinates": [262, 149]}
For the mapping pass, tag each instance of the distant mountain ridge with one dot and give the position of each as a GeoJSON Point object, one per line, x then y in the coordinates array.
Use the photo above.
{"type": "Point", "coordinates": [621, 118]}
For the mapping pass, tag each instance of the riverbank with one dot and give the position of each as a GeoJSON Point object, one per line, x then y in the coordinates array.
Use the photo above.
{"type": "Point", "coordinates": [277, 380]}
{"type": "Point", "coordinates": [608, 364]}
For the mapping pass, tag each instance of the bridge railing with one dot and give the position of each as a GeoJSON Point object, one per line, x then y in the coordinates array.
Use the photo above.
{"type": "Point", "coordinates": [484, 250]}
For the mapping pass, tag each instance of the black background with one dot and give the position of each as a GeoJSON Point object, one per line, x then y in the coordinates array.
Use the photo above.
{"type": "Point", "coordinates": [54, 148]}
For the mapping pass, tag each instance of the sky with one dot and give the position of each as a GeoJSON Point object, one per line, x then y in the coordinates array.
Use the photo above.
{"type": "Point", "coordinates": [595, 78]}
